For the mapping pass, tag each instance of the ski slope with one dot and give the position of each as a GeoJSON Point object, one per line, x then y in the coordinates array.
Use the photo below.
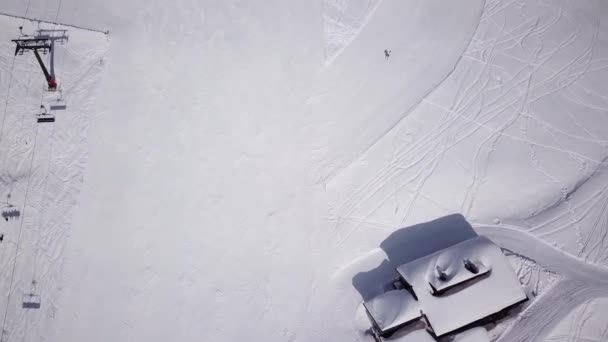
{"type": "Point", "coordinates": [224, 169]}
{"type": "Point", "coordinates": [42, 170]}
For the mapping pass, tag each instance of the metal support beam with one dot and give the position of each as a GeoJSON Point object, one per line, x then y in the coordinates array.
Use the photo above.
{"type": "Point", "coordinates": [44, 44]}
{"type": "Point", "coordinates": [44, 70]}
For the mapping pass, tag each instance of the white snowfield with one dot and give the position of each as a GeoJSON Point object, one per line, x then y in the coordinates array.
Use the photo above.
{"type": "Point", "coordinates": [225, 168]}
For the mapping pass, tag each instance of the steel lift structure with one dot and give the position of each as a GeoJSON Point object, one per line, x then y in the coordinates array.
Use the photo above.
{"type": "Point", "coordinates": [42, 41]}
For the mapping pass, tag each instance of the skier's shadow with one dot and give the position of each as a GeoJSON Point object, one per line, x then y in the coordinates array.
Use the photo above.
{"type": "Point", "coordinates": [408, 244]}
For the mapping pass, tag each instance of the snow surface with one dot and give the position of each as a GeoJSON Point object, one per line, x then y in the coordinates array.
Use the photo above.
{"type": "Point", "coordinates": [587, 322]}
{"type": "Point", "coordinates": [533, 277]}
{"type": "Point", "coordinates": [231, 166]}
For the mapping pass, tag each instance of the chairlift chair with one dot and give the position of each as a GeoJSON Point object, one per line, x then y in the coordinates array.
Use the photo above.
{"type": "Point", "coordinates": [10, 212]}
{"type": "Point", "coordinates": [44, 116]}
{"type": "Point", "coordinates": [58, 104]}
{"type": "Point", "coordinates": [30, 301]}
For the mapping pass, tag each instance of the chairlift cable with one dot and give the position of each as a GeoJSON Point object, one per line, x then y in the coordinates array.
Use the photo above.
{"type": "Point", "coordinates": [36, 249]}
{"type": "Point", "coordinates": [45, 184]}
{"type": "Point", "coordinates": [58, 9]}
{"type": "Point", "coordinates": [22, 217]}
{"type": "Point", "coordinates": [43, 210]}
{"type": "Point", "coordinates": [22, 123]}
{"type": "Point", "coordinates": [27, 9]}
{"type": "Point", "coordinates": [41, 221]}
{"type": "Point", "coordinates": [8, 92]}
{"type": "Point", "coordinates": [10, 82]}
{"type": "Point", "coordinates": [18, 244]}
{"type": "Point", "coordinates": [27, 188]}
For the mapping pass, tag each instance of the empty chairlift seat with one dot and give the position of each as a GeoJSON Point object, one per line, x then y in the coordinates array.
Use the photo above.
{"type": "Point", "coordinates": [58, 105]}
{"type": "Point", "coordinates": [44, 116]}
{"type": "Point", "coordinates": [30, 301]}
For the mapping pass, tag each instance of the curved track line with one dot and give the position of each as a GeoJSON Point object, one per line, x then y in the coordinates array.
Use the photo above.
{"type": "Point", "coordinates": [581, 282]}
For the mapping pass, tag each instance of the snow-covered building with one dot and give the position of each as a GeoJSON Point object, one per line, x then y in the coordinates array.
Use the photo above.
{"type": "Point", "coordinates": [449, 289]}
{"type": "Point", "coordinates": [393, 309]}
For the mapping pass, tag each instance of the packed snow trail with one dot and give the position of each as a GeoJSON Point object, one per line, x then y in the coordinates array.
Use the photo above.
{"type": "Point", "coordinates": [580, 282]}
{"type": "Point", "coordinates": [516, 239]}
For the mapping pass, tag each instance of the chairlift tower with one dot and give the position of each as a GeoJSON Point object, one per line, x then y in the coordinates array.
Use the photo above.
{"type": "Point", "coordinates": [42, 41]}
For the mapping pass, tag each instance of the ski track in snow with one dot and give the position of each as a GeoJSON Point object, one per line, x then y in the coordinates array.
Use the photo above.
{"type": "Point", "coordinates": [500, 103]}
{"type": "Point", "coordinates": [585, 323]}
{"type": "Point", "coordinates": [42, 169]}
{"type": "Point", "coordinates": [580, 282]}
{"type": "Point", "coordinates": [515, 62]}
{"type": "Point", "coordinates": [343, 20]}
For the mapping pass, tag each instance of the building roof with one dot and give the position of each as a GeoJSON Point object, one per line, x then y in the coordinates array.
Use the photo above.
{"type": "Point", "coordinates": [455, 272]}
{"type": "Point", "coordinates": [393, 309]}
{"type": "Point", "coordinates": [462, 296]}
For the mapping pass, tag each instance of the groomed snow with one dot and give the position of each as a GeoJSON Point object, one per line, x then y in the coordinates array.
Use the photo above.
{"type": "Point", "coordinates": [236, 177]}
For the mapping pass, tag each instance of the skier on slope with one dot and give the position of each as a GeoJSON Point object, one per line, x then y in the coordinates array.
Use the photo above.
{"type": "Point", "coordinates": [387, 54]}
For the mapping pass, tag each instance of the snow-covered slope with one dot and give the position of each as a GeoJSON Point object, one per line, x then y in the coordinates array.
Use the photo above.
{"type": "Point", "coordinates": [249, 158]}
{"type": "Point", "coordinates": [42, 170]}
{"type": "Point", "coordinates": [585, 323]}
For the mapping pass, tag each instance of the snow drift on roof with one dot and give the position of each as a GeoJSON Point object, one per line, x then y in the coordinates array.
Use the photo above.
{"type": "Point", "coordinates": [476, 298]}
{"type": "Point", "coordinates": [393, 309]}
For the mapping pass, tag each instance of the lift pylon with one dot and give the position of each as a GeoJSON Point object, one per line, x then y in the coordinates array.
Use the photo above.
{"type": "Point", "coordinates": [42, 41]}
